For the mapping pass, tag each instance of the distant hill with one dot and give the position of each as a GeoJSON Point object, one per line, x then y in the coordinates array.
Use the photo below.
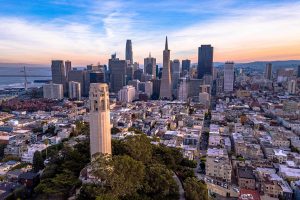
{"type": "Point", "coordinates": [260, 65]}
{"type": "Point", "coordinates": [275, 64]}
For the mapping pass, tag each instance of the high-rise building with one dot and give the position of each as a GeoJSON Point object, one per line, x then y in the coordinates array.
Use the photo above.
{"type": "Point", "coordinates": [53, 91]}
{"type": "Point", "coordinates": [292, 87]}
{"type": "Point", "coordinates": [268, 71]}
{"type": "Point", "coordinates": [118, 73]}
{"type": "Point", "coordinates": [147, 77]}
{"type": "Point", "coordinates": [97, 77]}
{"type": "Point", "coordinates": [298, 73]}
{"type": "Point", "coordinates": [59, 73]}
{"type": "Point", "coordinates": [135, 66]}
{"type": "Point", "coordinates": [129, 73]}
{"type": "Point", "coordinates": [135, 83]}
{"type": "Point", "coordinates": [175, 76]}
{"type": "Point", "coordinates": [127, 94]}
{"type": "Point", "coordinates": [137, 74]}
{"type": "Point", "coordinates": [220, 85]}
{"type": "Point", "coordinates": [205, 60]}
{"type": "Point", "coordinates": [186, 65]}
{"type": "Point", "coordinates": [183, 90]}
{"type": "Point", "coordinates": [68, 66]}
{"type": "Point", "coordinates": [100, 136]}
{"type": "Point", "coordinates": [204, 98]}
{"type": "Point", "coordinates": [150, 65]}
{"type": "Point", "coordinates": [156, 87]}
{"type": "Point", "coordinates": [149, 88]}
{"type": "Point", "coordinates": [166, 87]}
{"type": "Point", "coordinates": [128, 53]}
{"type": "Point", "coordinates": [228, 76]}
{"type": "Point", "coordinates": [79, 76]}
{"type": "Point", "coordinates": [74, 90]}
{"type": "Point", "coordinates": [205, 88]}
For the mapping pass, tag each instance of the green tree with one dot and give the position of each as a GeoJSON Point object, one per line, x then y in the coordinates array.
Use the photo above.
{"type": "Point", "coordinates": [127, 176]}
{"type": "Point", "coordinates": [160, 183]}
{"type": "Point", "coordinates": [57, 187]}
{"type": "Point", "coordinates": [38, 161]}
{"type": "Point", "coordinates": [114, 130]}
{"type": "Point", "coordinates": [139, 148]}
{"type": "Point", "coordinates": [120, 175]}
{"type": "Point", "coordinates": [195, 190]}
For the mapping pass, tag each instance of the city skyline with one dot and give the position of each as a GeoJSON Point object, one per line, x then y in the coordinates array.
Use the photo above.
{"type": "Point", "coordinates": [89, 32]}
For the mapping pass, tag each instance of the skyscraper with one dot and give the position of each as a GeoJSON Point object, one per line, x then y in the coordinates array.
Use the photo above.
{"type": "Point", "coordinates": [97, 77]}
{"type": "Point", "coordinates": [80, 77]}
{"type": "Point", "coordinates": [74, 90]}
{"type": "Point", "coordinates": [186, 64]}
{"type": "Point", "coordinates": [205, 60]}
{"type": "Point", "coordinates": [175, 76]}
{"type": "Point", "coordinates": [118, 73]}
{"type": "Point", "coordinates": [292, 87]}
{"type": "Point", "coordinates": [150, 65]}
{"type": "Point", "coordinates": [268, 71]}
{"type": "Point", "coordinates": [100, 136]}
{"type": "Point", "coordinates": [165, 87]}
{"type": "Point", "coordinates": [59, 73]}
{"type": "Point", "coordinates": [68, 66]}
{"type": "Point", "coordinates": [128, 53]}
{"type": "Point", "coordinates": [228, 76]}
{"type": "Point", "coordinates": [298, 73]}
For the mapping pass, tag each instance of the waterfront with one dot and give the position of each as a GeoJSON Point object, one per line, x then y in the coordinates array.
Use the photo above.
{"type": "Point", "coordinates": [18, 81]}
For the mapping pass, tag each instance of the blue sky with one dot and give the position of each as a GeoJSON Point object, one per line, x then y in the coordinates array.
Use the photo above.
{"type": "Point", "coordinates": [88, 31]}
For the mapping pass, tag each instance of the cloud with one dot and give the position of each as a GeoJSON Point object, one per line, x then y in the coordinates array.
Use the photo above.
{"type": "Point", "coordinates": [239, 34]}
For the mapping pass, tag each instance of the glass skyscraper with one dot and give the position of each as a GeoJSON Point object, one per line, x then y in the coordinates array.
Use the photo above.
{"type": "Point", "coordinates": [205, 60]}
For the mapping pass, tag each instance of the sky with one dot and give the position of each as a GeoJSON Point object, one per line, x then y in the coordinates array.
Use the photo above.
{"type": "Point", "coordinates": [89, 31]}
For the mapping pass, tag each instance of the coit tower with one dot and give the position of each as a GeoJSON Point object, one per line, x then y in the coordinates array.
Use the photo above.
{"type": "Point", "coordinates": [100, 136]}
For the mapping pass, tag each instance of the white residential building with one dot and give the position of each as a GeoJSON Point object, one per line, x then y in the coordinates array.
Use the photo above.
{"type": "Point", "coordinates": [127, 94]}
{"type": "Point", "coordinates": [53, 91]}
{"type": "Point", "coordinates": [74, 90]}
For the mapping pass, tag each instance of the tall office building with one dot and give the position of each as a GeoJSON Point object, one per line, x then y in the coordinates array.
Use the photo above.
{"type": "Point", "coordinates": [53, 91]}
{"type": "Point", "coordinates": [150, 65]}
{"type": "Point", "coordinates": [183, 90]}
{"type": "Point", "coordinates": [137, 74]}
{"type": "Point", "coordinates": [166, 87]}
{"type": "Point", "coordinates": [175, 76]}
{"type": "Point", "coordinates": [298, 73]}
{"type": "Point", "coordinates": [156, 88]}
{"type": "Point", "coordinates": [59, 73]}
{"type": "Point", "coordinates": [79, 76]}
{"type": "Point", "coordinates": [97, 77]}
{"type": "Point", "coordinates": [68, 66]}
{"type": "Point", "coordinates": [118, 73]}
{"type": "Point", "coordinates": [100, 136]}
{"type": "Point", "coordinates": [205, 60]}
{"type": "Point", "coordinates": [129, 72]}
{"type": "Point", "coordinates": [149, 88]}
{"type": "Point", "coordinates": [268, 71]}
{"type": "Point", "coordinates": [292, 87]}
{"type": "Point", "coordinates": [128, 53]}
{"type": "Point", "coordinates": [228, 76]}
{"type": "Point", "coordinates": [74, 90]}
{"type": "Point", "coordinates": [186, 65]}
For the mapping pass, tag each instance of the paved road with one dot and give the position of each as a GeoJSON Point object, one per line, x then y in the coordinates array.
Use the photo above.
{"type": "Point", "coordinates": [181, 190]}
